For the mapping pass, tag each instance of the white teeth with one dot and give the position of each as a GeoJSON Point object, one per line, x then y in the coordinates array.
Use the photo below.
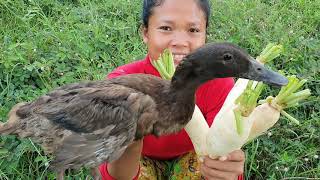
{"type": "Point", "coordinates": [178, 57]}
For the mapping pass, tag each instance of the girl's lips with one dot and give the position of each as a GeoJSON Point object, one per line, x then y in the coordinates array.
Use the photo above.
{"type": "Point", "coordinates": [177, 58]}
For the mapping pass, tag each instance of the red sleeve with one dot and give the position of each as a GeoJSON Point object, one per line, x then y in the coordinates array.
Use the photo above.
{"type": "Point", "coordinates": [241, 177]}
{"type": "Point", "coordinates": [106, 176]}
{"type": "Point", "coordinates": [131, 68]}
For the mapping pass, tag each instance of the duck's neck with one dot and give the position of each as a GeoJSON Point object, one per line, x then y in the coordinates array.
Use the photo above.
{"type": "Point", "coordinates": [185, 89]}
{"type": "Point", "coordinates": [187, 78]}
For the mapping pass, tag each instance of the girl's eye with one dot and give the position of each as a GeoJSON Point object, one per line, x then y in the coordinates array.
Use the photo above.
{"type": "Point", "coordinates": [193, 30]}
{"type": "Point", "coordinates": [165, 28]}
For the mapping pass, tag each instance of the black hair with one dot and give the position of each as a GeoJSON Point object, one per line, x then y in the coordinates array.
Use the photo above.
{"type": "Point", "coordinates": [148, 5]}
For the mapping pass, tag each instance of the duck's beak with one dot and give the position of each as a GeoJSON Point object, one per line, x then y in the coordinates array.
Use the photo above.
{"type": "Point", "coordinates": [258, 72]}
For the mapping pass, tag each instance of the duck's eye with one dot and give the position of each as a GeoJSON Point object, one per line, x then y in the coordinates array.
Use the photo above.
{"type": "Point", "coordinates": [227, 57]}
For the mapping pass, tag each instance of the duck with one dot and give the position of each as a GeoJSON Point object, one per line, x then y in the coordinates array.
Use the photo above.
{"type": "Point", "coordinates": [85, 124]}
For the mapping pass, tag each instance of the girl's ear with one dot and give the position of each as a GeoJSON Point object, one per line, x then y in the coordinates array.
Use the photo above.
{"type": "Point", "coordinates": [145, 35]}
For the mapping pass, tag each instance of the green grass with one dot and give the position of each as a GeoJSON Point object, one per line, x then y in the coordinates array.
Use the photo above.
{"type": "Point", "coordinates": [47, 43]}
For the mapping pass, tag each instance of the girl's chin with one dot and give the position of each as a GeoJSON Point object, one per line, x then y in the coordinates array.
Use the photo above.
{"type": "Point", "coordinates": [176, 62]}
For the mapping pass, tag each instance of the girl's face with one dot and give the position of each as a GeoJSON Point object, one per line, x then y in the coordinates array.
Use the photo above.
{"type": "Point", "coordinates": [179, 25]}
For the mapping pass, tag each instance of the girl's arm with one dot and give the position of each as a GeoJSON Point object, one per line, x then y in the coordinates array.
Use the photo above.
{"type": "Point", "coordinates": [127, 166]}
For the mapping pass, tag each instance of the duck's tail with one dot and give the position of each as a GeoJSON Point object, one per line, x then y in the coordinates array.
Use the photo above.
{"type": "Point", "coordinates": [13, 122]}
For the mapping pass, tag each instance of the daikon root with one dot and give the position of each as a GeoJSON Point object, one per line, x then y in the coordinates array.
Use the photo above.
{"type": "Point", "coordinates": [231, 127]}
{"type": "Point", "coordinates": [197, 129]}
{"type": "Point", "coordinates": [263, 117]}
{"type": "Point", "coordinates": [267, 114]}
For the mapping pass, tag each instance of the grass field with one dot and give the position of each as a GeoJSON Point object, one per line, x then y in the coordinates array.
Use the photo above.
{"type": "Point", "coordinates": [47, 43]}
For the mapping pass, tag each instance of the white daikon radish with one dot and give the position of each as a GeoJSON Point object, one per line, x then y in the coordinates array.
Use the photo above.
{"type": "Point", "coordinates": [267, 114]}
{"type": "Point", "coordinates": [231, 127]}
{"type": "Point", "coordinates": [197, 129]}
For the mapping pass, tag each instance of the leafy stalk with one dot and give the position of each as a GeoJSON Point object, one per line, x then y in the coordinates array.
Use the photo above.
{"type": "Point", "coordinates": [159, 65]}
{"type": "Point", "coordinates": [296, 97]}
{"type": "Point", "coordinates": [288, 97]}
{"type": "Point", "coordinates": [238, 119]}
{"type": "Point", "coordinates": [255, 95]}
{"type": "Point", "coordinates": [292, 119]}
{"type": "Point", "coordinates": [168, 57]}
{"type": "Point", "coordinates": [270, 52]}
{"type": "Point", "coordinates": [165, 64]}
{"type": "Point", "coordinates": [246, 102]}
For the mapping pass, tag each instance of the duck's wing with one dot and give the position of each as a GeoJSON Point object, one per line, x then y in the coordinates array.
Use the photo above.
{"type": "Point", "coordinates": [88, 109]}
{"type": "Point", "coordinates": [92, 149]}
{"type": "Point", "coordinates": [100, 122]}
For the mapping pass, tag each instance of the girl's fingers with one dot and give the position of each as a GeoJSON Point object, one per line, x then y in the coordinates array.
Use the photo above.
{"type": "Point", "coordinates": [215, 174]}
{"type": "Point", "coordinates": [228, 166]}
{"type": "Point", "coordinates": [237, 155]}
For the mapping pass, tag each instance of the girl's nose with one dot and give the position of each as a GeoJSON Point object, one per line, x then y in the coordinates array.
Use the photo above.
{"type": "Point", "coordinates": [179, 40]}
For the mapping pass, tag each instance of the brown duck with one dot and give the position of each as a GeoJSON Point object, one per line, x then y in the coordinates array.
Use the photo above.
{"type": "Point", "coordinates": [86, 124]}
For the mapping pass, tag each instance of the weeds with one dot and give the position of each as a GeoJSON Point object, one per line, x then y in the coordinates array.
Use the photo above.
{"type": "Point", "coordinates": [45, 44]}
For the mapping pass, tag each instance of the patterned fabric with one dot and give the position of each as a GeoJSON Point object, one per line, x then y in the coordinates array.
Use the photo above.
{"type": "Point", "coordinates": [185, 167]}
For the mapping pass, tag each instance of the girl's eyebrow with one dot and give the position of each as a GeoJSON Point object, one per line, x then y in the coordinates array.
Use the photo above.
{"type": "Point", "coordinates": [190, 23]}
{"type": "Point", "coordinates": [194, 23]}
{"type": "Point", "coordinates": [167, 21]}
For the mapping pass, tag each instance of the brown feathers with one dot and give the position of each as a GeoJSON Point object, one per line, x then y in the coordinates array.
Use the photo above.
{"type": "Point", "coordinates": [13, 122]}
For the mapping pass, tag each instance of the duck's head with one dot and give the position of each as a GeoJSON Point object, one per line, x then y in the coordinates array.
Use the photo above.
{"type": "Point", "coordinates": [218, 60]}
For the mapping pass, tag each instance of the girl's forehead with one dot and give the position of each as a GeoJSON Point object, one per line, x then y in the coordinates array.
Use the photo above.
{"type": "Point", "coordinates": [194, 21]}
{"type": "Point", "coordinates": [186, 5]}
{"type": "Point", "coordinates": [175, 10]}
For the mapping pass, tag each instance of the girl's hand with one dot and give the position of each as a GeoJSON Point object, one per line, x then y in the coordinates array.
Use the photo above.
{"type": "Point", "coordinates": [225, 168]}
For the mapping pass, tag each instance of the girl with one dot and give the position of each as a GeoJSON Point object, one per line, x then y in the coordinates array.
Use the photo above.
{"type": "Point", "coordinates": [179, 25]}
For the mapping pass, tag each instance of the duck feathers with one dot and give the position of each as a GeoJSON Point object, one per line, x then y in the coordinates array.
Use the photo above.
{"type": "Point", "coordinates": [85, 124]}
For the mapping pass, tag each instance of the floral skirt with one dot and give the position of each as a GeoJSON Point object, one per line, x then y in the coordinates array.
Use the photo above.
{"type": "Point", "coordinates": [186, 167]}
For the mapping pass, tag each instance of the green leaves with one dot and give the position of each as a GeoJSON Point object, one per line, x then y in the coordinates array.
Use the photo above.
{"type": "Point", "coordinates": [75, 40]}
{"type": "Point", "coordinates": [165, 64]}
{"type": "Point", "coordinates": [270, 52]}
{"type": "Point", "coordinates": [288, 97]}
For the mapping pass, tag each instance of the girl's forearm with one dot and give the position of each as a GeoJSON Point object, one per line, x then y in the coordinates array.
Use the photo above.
{"type": "Point", "coordinates": [127, 166]}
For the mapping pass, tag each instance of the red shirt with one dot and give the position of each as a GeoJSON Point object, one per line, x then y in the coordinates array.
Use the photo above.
{"type": "Point", "coordinates": [209, 98]}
